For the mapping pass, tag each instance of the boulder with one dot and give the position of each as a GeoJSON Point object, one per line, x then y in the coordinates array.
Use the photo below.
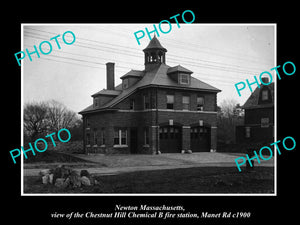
{"type": "Point", "coordinates": [66, 182]}
{"type": "Point", "coordinates": [93, 180]}
{"type": "Point", "coordinates": [45, 179]}
{"type": "Point", "coordinates": [59, 182]}
{"type": "Point", "coordinates": [44, 172]}
{"type": "Point", "coordinates": [75, 180]}
{"type": "Point", "coordinates": [85, 181]}
{"type": "Point", "coordinates": [51, 178]}
{"type": "Point", "coordinates": [61, 172]}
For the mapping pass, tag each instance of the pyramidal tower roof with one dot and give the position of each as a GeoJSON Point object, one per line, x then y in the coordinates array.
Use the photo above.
{"type": "Point", "coordinates": [154, 44]}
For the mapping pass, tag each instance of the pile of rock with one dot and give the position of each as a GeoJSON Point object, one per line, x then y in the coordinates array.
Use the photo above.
{"type": "Point", "coordinates": [65, 177]}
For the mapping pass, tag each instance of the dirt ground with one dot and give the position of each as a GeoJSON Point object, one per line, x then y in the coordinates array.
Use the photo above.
{"type": "Point", "coordinates": [166, 173]}
{"type": "Point", "coordinates": [171, 159]}
{"type": "Point", "coordinates": [115, 164]}
{"type": "Point", "coordinates": [199, 180]}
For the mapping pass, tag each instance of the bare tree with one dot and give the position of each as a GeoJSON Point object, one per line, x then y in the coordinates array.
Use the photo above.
{"type": "Point", "coordinates": [42, 118]}
{"type": "Point", "coordinates": [59, 116]}
{"type": "Point", "coordinates": [35, 122]}
{"type": "Point", "coordinates": [228, 118]}
{"type": "Point", "coordinates": [228, 107]}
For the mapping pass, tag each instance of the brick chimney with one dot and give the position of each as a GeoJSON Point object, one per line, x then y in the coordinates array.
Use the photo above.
{"type": "Point", "coordinates": [110, 76]}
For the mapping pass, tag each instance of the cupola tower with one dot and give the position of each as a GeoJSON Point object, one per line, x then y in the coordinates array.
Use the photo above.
{"type": "Point", "coordinates": [155, 54]}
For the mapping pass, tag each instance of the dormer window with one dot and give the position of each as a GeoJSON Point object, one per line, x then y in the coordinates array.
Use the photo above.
{"type": "Point", "coordinates": [125, 83]}
{"type": "Point", "coordinates": [180, 75]}
{"type": "Point", "coordinates": [264, 95]}
{"type": "Point", "coordinates": [184, 78]}
{"type": "Point", "coordinates": [95, 102]}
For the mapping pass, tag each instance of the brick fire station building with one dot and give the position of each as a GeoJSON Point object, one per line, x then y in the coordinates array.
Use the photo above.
{"type": "Point", "coordinates": [160, 109]}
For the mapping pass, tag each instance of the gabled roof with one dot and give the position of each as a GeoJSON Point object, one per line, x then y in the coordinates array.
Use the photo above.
{"type": "Point", "coordinates": [157, 77]}
{"type": "Point", "coordinates": [253, 100]}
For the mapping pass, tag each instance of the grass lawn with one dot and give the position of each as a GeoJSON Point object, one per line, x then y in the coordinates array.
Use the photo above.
{"type": "Point", "coordinates": [189, 180]}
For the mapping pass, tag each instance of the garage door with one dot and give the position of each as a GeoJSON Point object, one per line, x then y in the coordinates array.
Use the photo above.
{"type": "Point", "coordinates": [200, 139]}
{"type": "Point", "coordinates": [170, 139]}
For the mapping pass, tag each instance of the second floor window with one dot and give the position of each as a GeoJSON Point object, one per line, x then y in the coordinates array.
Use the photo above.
{"type": "Point", "coordinates": [102, 136]}
{"type": "Point", "coordinates": [170, 101]}
{"type": "Point", "coordinates": [146, 102]}
{"type": "Point", "coordinates": [200, 103]}
{"type": "Point", "coordinates": [88, 139]}
{"type": "Point", "coordinates": [131, 104]}
{"type": "Point", "coordinates": [95, 136]}
{"type": "Point", "coordinates": [87, 122]}
{"type": "Point", "coordinates": [186, 102]}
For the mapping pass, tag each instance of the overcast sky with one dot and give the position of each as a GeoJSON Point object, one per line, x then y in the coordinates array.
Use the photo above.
{"type": "Point", "coordinates": [220, 55]}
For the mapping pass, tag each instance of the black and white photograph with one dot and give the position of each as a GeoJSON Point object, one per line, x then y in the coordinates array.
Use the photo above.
{"type": "Point", "coordinates": [149, 113]}
{"type": "Point", "coordinates": [159, 114]}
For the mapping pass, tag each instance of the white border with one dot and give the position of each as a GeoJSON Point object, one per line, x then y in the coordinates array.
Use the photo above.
{"type": "Point", "coordinates": [162, 194]}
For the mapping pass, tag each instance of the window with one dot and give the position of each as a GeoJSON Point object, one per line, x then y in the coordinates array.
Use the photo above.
{"type": "Point", "coordinates": [87, 122]}
{"type": "Point", "coordinates": [95, 136]}
{"type": "Point", "coordinates": [247, 132]}
{"type": "Point", "coordinates": [88, 139]}
{"type": "Point", "coordinates": [125, 83]}
{"type": "Point", "coordinates": [131, 104]}
{"type": "Point", "coordinates": [102, 136]}
{"type": "Point", "coordinates": [120, 137]}
{"type": "Point", "coordinates": [95, 102]}
{"type": "Point", "coordinates": [146, 102]}
{"type": "Point", "coordinates": [177, 134]}
{"type": "Point", "coordinates": [200, 103]}
{"type": "Point", "coordinates": [184, 79]}
{"type": "Point", "coordinates": [165, 131]}
{"type": "Point", "coordinates": [186, 102]}
{"type": "Point", "coordinates": [123, 137]}
{"type": "Point", "coordinates": [170, 101]}
{"type": "Point", "coordinates": [172, 132]}
{"type": "Point", "coordinates": [264, 122]}
{"type": "Point", "coordinates": [146, 136]}
{"type": "Point", "coordinates": [264, 95]}
{"type": "Point", "coordinates": [116, 137]}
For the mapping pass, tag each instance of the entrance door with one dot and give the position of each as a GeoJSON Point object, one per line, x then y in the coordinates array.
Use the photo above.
{"type": "Point", "coordinates": [133, 140]}
{"type": "Point", "coordinates": [170, 139]}
{"type": "Point", "coordinates": [200, 139]}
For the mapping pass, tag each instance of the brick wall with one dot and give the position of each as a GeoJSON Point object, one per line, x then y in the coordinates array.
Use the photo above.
{"type": "Point", "coordinates": [257, 135]}
{"type": "Point", "coordinates": [253, 116]}
{"type": "Point", "coordinates": [210, 103]}
{"type": "Point", "coordinates": [141, 119]}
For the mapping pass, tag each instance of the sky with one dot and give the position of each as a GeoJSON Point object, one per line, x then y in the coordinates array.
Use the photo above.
{"type": "Point", "coordinates": [218, 54]}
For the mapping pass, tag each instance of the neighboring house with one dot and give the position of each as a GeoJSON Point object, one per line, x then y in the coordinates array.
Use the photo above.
{"type": "Point", "coordinates": [158, 109]}
{"type": "Point", "coordinates": [259, 116]}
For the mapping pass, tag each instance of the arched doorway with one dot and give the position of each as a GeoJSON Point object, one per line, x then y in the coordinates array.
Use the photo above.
{"type": "Point", "coordinates": [170, 139]}
{"type": "Point", "coordinates": [200, 139]}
